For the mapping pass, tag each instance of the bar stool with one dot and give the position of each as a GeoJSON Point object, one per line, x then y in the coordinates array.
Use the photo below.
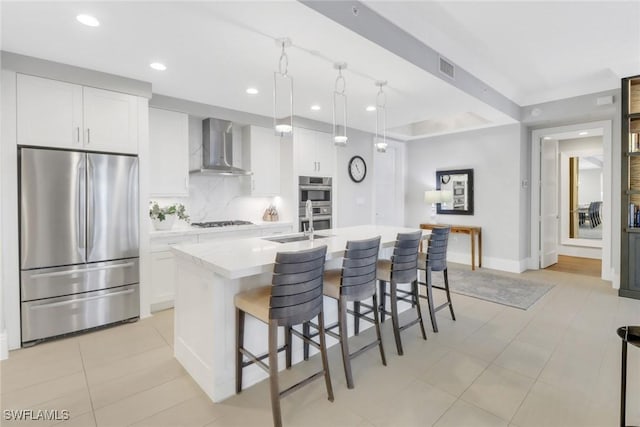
{"type": "Point", "coordinates": [402, 268]}
{"type": "Point", "coordinates": [436, 260]}
{"type": "Point", "coordinates": [355, 282]}
{"type": "Point", "coordinates": [294, 297]}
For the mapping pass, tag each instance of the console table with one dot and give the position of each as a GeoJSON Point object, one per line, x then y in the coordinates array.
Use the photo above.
{"type": "Point", "coordinates": [472, 231]}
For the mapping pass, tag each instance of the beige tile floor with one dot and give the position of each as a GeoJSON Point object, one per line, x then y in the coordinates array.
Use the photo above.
{"type": "Point", "coordinates": [556, 364]}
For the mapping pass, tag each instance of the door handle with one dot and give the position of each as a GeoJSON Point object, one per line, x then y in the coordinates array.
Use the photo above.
{"type": "Point", "coordinates": [78, 134]}
{"type": "Point", "coordinates": [63, 303]}
{"type": "Point", "coordinates": [88, 136]}
{"type": "Point", "coordinates": [85, 270]}
{"type": "Point", "coordinates": [80, 200]}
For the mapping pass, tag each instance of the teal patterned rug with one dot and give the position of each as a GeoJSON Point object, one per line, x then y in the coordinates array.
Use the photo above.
{"type": "Point", "coordinates": [482, 284]}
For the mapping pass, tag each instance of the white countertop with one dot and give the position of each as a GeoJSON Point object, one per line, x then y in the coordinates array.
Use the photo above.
{"type": "Point", "coordinates": [186, 230]}
{"type": "Point", "coordinates": [247, 257]}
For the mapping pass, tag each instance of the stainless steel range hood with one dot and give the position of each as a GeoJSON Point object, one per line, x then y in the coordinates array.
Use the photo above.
{"type": "Point", "coordinates": [217, 149]}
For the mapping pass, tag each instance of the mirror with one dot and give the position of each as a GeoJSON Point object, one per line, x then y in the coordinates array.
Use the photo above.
{"type": "Point", "coordinates": [458, 185]}
{"type": "Point", "coordinates": [585, 196]}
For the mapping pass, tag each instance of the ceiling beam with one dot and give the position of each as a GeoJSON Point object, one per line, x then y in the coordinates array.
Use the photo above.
{"type": "Point", "coordinates": [357, 17]}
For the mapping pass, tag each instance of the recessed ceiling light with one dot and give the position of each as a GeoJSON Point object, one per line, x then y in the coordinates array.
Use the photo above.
{"type": "Point", "coordinates": [252, 91]}
{"type": "Point", "coordinates": [315, 107]}
{"type": "Point", "coordinates": [88, 20]}
{"type": "Point", "coordinates": [371, 108]}
{"type": "Point", "coordinates": [583, 133]}
{"type": "Point", "coordinates": [158, 66]}
{"type": "Point", "coordinates": [546, 138]}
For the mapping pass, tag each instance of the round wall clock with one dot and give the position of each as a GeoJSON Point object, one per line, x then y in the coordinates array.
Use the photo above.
{"type": "Point", "coordinates": [357, 169]}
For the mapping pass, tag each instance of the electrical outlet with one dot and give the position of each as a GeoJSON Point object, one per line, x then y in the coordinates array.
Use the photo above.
{"type": "Point", "coordinates": [524, 183]}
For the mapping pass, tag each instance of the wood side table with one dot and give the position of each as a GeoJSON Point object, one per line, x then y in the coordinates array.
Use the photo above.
{"type": "Point", "coordinates": [472, 231]}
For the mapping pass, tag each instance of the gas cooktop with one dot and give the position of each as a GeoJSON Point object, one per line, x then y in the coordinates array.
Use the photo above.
{"type": "Point", "coordinates": [211, 224]}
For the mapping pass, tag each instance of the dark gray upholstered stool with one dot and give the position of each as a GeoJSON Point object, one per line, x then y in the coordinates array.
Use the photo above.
{"type": "Point", "coordinates": [294, 297]}
{"type": "Point", "coordinates": [402, 268]}
{"type": "Point", "coordinates": [435, 259]}
{"type": "Point", "coordinates": [355, 282]}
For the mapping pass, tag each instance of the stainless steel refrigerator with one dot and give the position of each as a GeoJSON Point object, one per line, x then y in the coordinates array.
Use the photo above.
{"type": "Point", "coordinates": [78, 241]}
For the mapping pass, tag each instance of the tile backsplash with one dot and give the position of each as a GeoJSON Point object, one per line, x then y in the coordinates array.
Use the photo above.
{"type": "Point", "coordinates": [216, 198]}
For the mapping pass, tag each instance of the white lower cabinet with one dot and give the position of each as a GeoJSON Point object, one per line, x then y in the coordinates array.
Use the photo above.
{"type": "Point", "coordinates": [163, 270]}
{"type": "Point", "coordinates": [163, 265]}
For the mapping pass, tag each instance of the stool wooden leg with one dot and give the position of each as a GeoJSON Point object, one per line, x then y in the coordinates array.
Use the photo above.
{"type": "Point", "coordinates": [323, 354]}
{"type": "Point", "coordinates": [414, 289]}
{"type": "Point", "coordinates": [344, 341]}
{"type": "Point", "coordinates": [623, 386]}
{"type": "Point", "coordinates": [432, 310]}
{"type": "Point", "coordinates": [394, 317]}
{"type": "Point", "coordinates": [306, 331]}
{"type": "Point", "coordinates": [376, 317]}
{"type": "Point", "coordinates": [239, 344]}
{"type": "Point", "coordinates": [356, 317]}
{"type": "Point", "coordinates": [287, 341]}
{"type": "Point", "coordinates": [273, 373]}
{"type": "Point", "coordinates": [446, 286]}
{"type": "Point", "coordinates": [382, 288]}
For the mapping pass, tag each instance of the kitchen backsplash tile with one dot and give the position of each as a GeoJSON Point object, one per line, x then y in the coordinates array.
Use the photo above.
{"type": "Point", "coordinates": [213, 198]}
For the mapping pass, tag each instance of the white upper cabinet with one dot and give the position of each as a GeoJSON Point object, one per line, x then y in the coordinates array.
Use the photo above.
{"type": "Point", "coordinates": [51, 113]}
{"type": "Point", "coordinates": [110, 121]}
{"type": "Point", "coordinates": [315, 153]}
{"type": "Point", "coordinates": [169, 152]}
{"type": "Point", "coordinates": [261, 155]}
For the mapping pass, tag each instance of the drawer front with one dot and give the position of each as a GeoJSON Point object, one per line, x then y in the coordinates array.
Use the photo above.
{"type": "Point", "coordinates": [57, 281]}
{"type": "Point", "coordinates": [57, 316]}
{"type": "Point", "coordinates": [159, 244]}
{"type": "Point", "coordinates": [228, 235]}
{"type": "Point", "coordinates": [271, 231]}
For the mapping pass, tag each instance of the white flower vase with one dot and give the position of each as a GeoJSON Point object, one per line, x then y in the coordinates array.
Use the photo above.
{"type": "Point", "coordinates": [167, 224]}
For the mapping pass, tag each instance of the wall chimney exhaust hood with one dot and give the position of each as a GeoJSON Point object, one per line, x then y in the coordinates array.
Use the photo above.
{"type": "Point", "coordinates": [217, 149]}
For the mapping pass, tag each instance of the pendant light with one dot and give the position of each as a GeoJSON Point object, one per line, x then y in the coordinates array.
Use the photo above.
{"type": "Point", "coordinates": [283, 93]}
{"type": "Point", "coordinates": [340, 107]}
{"type": "Point", "coordinates": [381, 118]}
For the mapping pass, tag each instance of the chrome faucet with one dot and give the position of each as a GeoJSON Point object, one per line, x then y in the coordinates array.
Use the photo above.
{"type": "Point", "coordinates": [308, 207]}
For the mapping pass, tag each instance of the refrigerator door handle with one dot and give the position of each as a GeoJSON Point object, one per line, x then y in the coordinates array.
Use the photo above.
{"type": "Point", "coordinates": [81, 176]}
{"type": "Point", "coordinates": [91, 215]}
{"type": "Point", "coordinates": [76, 300]}
{"type": "Point", "coordinates": [85, 270]}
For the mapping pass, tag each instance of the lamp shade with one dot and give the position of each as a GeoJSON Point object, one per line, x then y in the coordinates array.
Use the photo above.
{"type": "Point", "coordinates": [433, 196]}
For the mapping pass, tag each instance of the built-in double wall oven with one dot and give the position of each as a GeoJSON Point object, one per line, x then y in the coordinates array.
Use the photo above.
{"type": "Point", "coordinates": [319, 191]}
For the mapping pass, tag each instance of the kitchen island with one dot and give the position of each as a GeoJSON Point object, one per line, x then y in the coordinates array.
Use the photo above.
{"type": "Point", "coordinates": [208, 275]}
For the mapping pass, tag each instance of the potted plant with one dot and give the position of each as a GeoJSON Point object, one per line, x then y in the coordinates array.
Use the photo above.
{"type": "Point", "coordinates": [163, 218]}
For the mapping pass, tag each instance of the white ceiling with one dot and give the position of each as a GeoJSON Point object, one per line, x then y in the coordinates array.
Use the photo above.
{"type": "Point", "coordinates": [530, 51]}
{"type": "Point", "coordinates": [215, 50]}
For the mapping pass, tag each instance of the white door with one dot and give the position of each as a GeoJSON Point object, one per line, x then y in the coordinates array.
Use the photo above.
{"type": "Point", "coordinates": [49, 112]}
{"type": "Point", "coordinates": [386, 188]}
{"type": "Point", "coordinates": [325, 154]}
{"type": "Point", "coordinates": [110, 121]}
{"type": "Point", "coordinates": [548, 202]}
{"type": "Point", "coordinates": [264, 152]}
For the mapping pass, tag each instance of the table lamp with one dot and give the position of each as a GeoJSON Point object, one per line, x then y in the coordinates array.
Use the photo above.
{"type": "Point", "coordinates": [433, 197]}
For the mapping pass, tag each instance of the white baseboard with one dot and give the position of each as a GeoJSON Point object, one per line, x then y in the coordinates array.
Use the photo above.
{"type": "Point", "coordinates": [512, 266]}
{"type": "Point", "coordinates": [162, 305]}
{"type": "Point", "coordinates": [4, 346]}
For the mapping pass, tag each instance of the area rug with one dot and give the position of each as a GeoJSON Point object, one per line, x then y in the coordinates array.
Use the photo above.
{"type": "Point", "coordinates": [505, 290]}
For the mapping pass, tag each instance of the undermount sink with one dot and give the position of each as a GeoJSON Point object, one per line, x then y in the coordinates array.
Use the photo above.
{"type": "Point", "coordinates": [287, 239]}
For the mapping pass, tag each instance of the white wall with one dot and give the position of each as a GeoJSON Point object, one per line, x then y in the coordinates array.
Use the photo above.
{"type": "Point", "coordinates": [590, 186]}
{"type": "Point", "coordinates": [355, 200]}
{"type": "Point", "coordinates": [495, 156]}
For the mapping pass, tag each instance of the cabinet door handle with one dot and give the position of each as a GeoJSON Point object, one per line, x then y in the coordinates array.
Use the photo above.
{"type": "Point", "coordinates": [318, 166]}
{"type": "Point", "coordinates": [78, 134]}
{"type": "Point", "coordinates": [88, 136]}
